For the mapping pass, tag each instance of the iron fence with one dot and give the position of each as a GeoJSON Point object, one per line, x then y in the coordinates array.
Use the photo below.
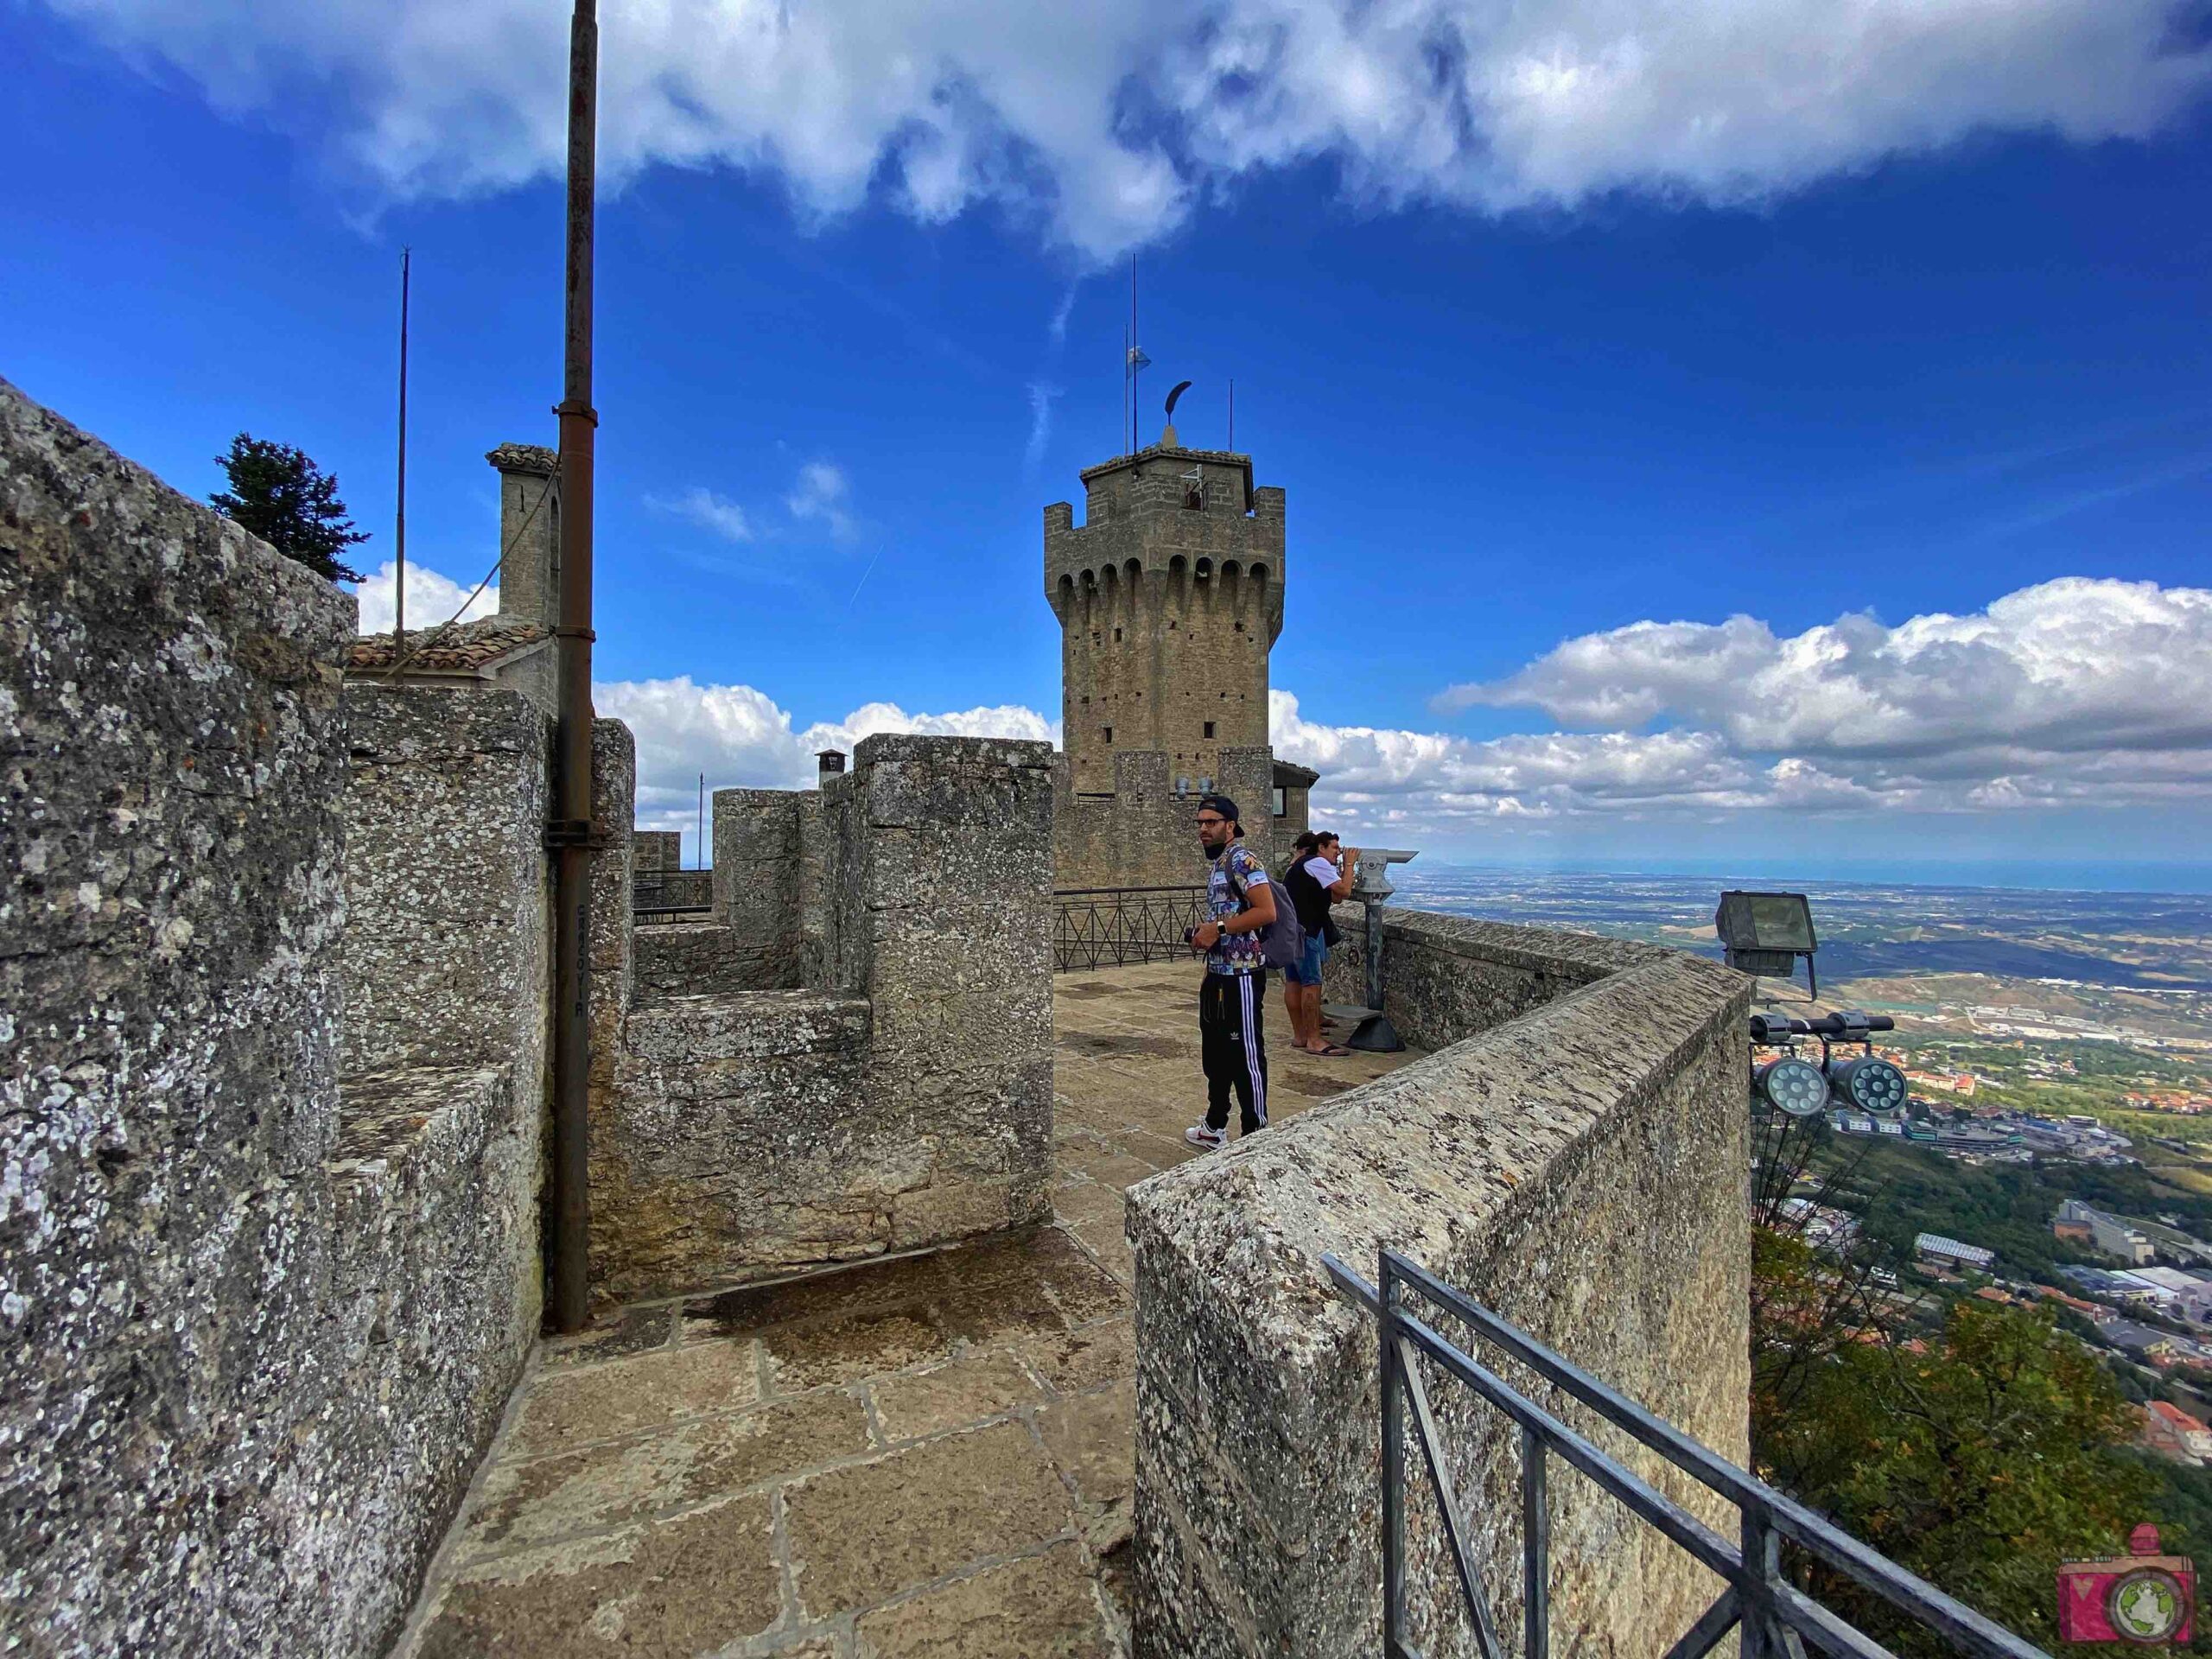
{"type": "Point", "coordinates": [1776, 1617]}
{"type": "Point", "coordinates": [1097, 927]}
{"type": "Point", "coordinates": [670, 895]}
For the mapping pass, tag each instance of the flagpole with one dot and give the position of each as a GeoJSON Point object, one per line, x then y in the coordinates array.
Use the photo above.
{"type": "Point", "coordinates": [399, 511]}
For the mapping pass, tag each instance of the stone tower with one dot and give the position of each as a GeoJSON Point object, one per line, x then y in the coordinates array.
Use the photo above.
{"type": "Point", "coordinates": [1169, 597]}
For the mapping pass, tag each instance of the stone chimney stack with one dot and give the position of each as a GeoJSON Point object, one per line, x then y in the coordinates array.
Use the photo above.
{"type": "Point", "coordinates": [530, 532]}
{"type": "Point", "coordinates": [829, 763]}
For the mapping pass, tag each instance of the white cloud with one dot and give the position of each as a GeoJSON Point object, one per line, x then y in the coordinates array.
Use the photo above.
{"type": "Point", "coordinates": [2049, 676]}
{"type": "Point", "coordinates": [819, 495]}
{"type": "Point", "coordinates": [1041, 394]}
{"type": "Point", "coordinates": [2078, 692]}
{"type": "Point", "coordinates": [702, 507]}
{"type": "Point", "coordinates": [431, 598]}
{"type": "Point", "coordinates": [1104, 124]}
{"type": "Point", "coordinates": [739, 737]}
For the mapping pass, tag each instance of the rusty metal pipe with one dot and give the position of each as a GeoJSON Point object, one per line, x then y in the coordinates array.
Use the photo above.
{"type": "Point", "coordinates": [570, 832]}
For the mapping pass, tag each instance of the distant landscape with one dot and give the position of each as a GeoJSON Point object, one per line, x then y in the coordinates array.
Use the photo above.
{"type": "Point", "coordinates": [2050, 1001]}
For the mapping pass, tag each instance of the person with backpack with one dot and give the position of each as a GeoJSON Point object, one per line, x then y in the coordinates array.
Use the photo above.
{"type": "Point", "coordinates": [1242, 914]}
{"type": "Point", "coordinates": [1319, 873]}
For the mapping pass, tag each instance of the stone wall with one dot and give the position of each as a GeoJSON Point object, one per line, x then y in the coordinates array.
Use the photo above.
{"type": "Point", "coordinates": [743, 1142]}
{"type": "Point", "coordinates": [1145, 834]}
{"type": "Point", "coordinates": [902, 1096]}
{"type": "Point", "coordinates": [757, 883]}
{"type": "Point", "coordinates": [947, 900]}
{"type": "Point", "coordinates": [445, 955]}
{"type": "Point", "coordinates": [1575, 1159]}
{"type": "Point", "coordinates": [252, 1331]}
{"type": "Point", "coordinates": [1444, 976]}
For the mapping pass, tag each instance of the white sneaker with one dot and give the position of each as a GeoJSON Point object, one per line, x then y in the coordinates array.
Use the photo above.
{"type": "Point", "coordinates": [1198, 1135]}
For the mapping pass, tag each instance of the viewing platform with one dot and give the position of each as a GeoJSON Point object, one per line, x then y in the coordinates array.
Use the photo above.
{"type": "Point", "coordinates": [929, 1455]}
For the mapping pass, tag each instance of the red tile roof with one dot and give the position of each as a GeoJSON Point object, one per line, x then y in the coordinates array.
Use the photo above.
{"type": "Point", "coordinates": [464, 648]}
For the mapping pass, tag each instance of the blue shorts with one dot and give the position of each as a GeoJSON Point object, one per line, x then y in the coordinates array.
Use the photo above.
{"type": "Point", "coordinates": [1307, 971]}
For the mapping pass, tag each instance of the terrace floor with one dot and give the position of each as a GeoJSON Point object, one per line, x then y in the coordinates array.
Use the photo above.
{"type": "Point", "coordinates": [929, 1457]}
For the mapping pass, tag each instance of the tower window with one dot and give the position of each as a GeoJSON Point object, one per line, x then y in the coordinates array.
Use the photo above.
{"type": "Point", "coordinates": [1281, 806]}
{"type": "Point", "coordinates": [1109, 734]}
{"type": "Point", "coordinates": [1194, 500]}
{"type": "Point", "coordinates": [1118, 635]}
{"type": "Point", "coordinates": [1209, 729]}
{"type": "Point", "coordinates": [1240, 628]}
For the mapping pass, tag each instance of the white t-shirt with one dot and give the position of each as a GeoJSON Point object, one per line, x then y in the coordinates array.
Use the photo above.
{"type": "Point", "coordinates": [1322, 871]}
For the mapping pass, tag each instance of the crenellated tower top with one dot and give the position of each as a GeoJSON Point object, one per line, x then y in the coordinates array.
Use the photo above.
{"type": "Point", "coordinates": [1169, 597]}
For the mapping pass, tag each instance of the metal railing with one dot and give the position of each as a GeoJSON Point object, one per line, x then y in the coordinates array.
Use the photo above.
{"type": "Point", "coordinates": [1776, 1617]}
{"type": "Point", "coordinates": [670, 895]}
{"type": "Point", "coordinates": [1097, 927]}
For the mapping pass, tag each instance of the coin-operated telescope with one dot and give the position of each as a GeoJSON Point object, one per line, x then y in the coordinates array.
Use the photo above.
{"type": "Point", "coordinates": [1790, 1083]}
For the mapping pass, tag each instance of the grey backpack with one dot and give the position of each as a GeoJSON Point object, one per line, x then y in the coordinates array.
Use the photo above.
{"type": "Point", "coordinates": [1282, 942]}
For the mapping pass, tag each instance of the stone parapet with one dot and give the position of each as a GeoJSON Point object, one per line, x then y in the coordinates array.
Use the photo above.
{"type": "Point", "coordinates": [757, 881]}
{"type": "Point", "coordinates": [694, 959]}
{"type": "Point", "coordinates": [1444, 976]}
{"type": "Point", "coordinates": [446, 956]}
{"type": "Point", "coordinates": [433, 1307]}
{"type": "Point", "coordinates": [253, 1330]}
{"type": "Point", "coordinates": [744, 1143]}
{"type": "Point", "coordinates": [1574, 1157]}
{"type": "Point", "coordinates": [903, 1097]}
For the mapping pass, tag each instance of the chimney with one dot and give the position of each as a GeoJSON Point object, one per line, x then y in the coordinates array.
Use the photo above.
{"type": "Point", "coordinates": [829, 763]}
{"type": "Point", "coordinates": [530, 532]}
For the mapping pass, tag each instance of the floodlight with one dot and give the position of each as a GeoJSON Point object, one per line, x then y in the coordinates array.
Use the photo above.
{"type": "Point", "coordinates": [1869, 1083]}
{"type": "Point", "coordinates": [1766, 932]}
{"type": "Point", "coordinates": [1791, 1085]}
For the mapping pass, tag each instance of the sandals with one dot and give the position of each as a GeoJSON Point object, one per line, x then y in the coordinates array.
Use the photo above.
{"type": "Point", "coordinates": [1328, 1051]}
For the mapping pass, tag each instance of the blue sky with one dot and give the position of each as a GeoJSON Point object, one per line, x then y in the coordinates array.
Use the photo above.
{"type": "Point", "coordinates": [1922, 332]}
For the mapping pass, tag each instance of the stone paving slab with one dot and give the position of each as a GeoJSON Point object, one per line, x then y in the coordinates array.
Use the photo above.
{"type": "Point", "coordinates": [926, 1458]}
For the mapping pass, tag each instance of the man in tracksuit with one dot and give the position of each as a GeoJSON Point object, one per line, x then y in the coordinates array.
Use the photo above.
{"type": "Point", "coordinates": [1240, 903]}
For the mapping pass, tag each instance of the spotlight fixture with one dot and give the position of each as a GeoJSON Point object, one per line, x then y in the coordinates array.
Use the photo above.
{"type": "Point", "coordinates": [1791, 1085]}
{"type": "Point", "coordinates": [1869, 1083]}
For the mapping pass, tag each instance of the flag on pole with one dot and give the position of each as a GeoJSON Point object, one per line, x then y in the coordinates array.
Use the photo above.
{"type": "Point", "coordinates": [1138, 360]}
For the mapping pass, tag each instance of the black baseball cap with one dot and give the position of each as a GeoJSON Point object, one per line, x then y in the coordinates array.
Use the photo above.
{"type": "Point", "coordinates": [1222, 805]}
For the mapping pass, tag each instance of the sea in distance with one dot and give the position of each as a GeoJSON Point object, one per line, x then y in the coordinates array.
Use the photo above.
{"type": "Point", "coordinates": [2129, 936]}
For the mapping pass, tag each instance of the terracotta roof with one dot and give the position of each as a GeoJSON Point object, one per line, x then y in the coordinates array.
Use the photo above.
{"type": "Point", "coordinates": [2176, 1416]}
{"type": "Point", "coordinates": [465, 648]}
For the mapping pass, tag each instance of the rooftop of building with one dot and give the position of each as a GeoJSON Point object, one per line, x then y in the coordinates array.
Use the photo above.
{"type": "Point", "coordinates": [907, 1456]}
{"type": "Point", "coordinates": [1937, 1245]}
{"type": "Point", "coordinates": [468, 648]}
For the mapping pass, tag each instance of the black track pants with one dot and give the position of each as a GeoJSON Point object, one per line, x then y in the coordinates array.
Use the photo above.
{"type": "Point", "coordinates": [1229, 1006]}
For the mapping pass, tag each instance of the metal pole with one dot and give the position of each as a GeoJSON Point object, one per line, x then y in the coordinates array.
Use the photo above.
{"type": "Point", "coordinates": [1537, 1549]}
{"type": "Point", "coordinates": [570, 833]}
{"type": "Point", "coordinates": [1394, 1462]}
{"type": "Point", "coordinates": [399, 516]}
{"type": "Point", "coordinates": [699, 861]}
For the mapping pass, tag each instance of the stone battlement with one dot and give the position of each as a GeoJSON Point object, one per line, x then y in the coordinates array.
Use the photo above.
{"type": "Point", "coordinates": [1574, 1156]}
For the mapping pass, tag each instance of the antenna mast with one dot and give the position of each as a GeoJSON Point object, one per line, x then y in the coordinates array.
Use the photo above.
{"type": "Point", "coordinates": [399, 516]}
